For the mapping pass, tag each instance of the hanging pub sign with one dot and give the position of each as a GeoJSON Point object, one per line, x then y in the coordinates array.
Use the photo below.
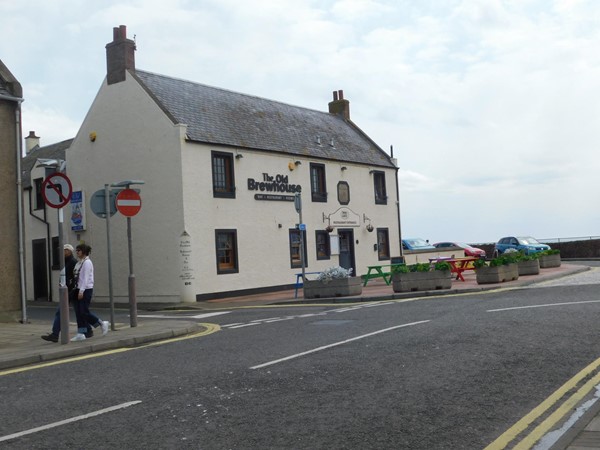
{"type": "Point", "coordinates": [274, 188]}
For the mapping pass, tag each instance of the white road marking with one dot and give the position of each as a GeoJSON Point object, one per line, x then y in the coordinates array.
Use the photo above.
{"type": "Point", "coordinates": [67, 421]}
{"type": "Point", "coordinates": [197, 316]}
{"type": "Point", "coordinates": [543, 306]}
{"type": "Point", "coordinates": [245, 325]}
{"type": "Point", "coordinates": [325, 347]}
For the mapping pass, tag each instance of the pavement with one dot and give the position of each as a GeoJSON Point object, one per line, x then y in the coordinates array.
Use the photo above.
{"type": "Point", "coordinates": [21, 344]}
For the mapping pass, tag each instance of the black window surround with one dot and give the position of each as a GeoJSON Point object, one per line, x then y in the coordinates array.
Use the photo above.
{"type": "Point", "coordinates": [383, 244]}
{"type": "Point", "coordinates": [295, 261]}
{"type": "Point", "coordinates": [322, 244]}
{"type": "Point", "coordinates": [226, 251]}
{"type": "Point", "coordinates": [379, 187]}
{"type": "Point", "coordinates": [318, 186]}
{"type": "Point", "coordinates": [223, 178]}
{"type": "Point", "coordinates": [39, 199]}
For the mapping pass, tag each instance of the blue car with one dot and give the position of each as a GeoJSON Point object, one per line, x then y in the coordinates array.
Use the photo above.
{"type": "Point", "coordinates": [416, 244]}
{"type": "Point", "coordinates": [526, 244]}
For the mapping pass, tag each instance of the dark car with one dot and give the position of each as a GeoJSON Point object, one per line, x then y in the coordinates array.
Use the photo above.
{"type": "Point", "coordinates": [526, 244]}
{"type": "Point", "coordinates": [469, 250]}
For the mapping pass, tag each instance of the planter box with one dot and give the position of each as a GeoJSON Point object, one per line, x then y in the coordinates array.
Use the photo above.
{"type": "Point", "coordinates": [511, 272]}
{"type": "Point", "coordinates": [498, 274]}
{"type": "Point", "coordinates": [529, 267]}
{"type": "Point", "coordinates": [338, 287]}
{"type": "Point", "coordinates": [422, 281]}
{"type": "Point", "coordinates": [489, 275]}
{"type": "Point", "coordinates": [548, 261]}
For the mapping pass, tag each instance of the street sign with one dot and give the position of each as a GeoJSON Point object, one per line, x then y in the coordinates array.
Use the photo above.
{"type": "Point", "coordinates": [57, 190]}
{"type": "Point", "coordinates": [298, 202]}
{"type": "Point", "coordinates": [129, 202]}
{"type": "Point", "coordinates": [97, 203]}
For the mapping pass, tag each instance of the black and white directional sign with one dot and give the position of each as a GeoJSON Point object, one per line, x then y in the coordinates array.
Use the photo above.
{"type": "Point", "coordinates": [57, 190]}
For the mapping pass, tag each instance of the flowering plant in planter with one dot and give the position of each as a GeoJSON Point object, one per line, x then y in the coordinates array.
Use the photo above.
{"type": "Point", "coordinates": [334, 273]}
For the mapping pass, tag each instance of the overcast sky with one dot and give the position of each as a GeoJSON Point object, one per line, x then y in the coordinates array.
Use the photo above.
{"type": "Point", "coordinates": [492, 107]}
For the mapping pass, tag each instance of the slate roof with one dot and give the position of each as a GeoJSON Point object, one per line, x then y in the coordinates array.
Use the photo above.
{"type": "Point", "coordinates": [218, 116]}
{"type": "Point", "coordinates": [54, 151]}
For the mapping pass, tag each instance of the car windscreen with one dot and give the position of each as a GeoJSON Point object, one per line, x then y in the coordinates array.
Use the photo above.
{"type": "Point", "coordinates": [528, 241]}
{"type": "Point", "coordinates": [417, 243]}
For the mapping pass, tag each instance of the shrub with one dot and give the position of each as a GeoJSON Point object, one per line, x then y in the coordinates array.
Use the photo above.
{"type": "Point", "coordinates": [479, 263]}
{"type": "Point", "coordinates": [442, 265]}
{"type": "Point", "coordinates": [420, 267]}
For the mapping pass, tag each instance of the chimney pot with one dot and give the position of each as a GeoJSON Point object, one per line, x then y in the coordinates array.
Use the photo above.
{"type": "Point", "coordinates": [335, 96]}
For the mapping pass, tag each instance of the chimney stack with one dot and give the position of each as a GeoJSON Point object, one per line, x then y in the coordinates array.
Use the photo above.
{"type": "Point", "coordinates": [340, 106]}
{"type": "Point", "coordinates": [32, 141]}
{"type": "Point", "coordinates": [120, 56]}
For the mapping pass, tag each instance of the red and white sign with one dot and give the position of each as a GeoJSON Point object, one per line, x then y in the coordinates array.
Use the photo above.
{"type": "Point", "coordinates": [128, 202]}
{"type": "Point", "coordinates": [57, 190]}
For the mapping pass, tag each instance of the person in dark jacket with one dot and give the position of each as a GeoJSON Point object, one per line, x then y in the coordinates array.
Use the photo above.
{"type": "Point", "coordinates": [69, 281]}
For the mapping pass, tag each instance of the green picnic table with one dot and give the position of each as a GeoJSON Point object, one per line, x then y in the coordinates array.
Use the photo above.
{"type": "Point", "coordinates": [384, 271]}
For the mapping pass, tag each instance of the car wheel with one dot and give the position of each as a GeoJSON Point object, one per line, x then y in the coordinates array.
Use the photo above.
{"type": "Point", "coordinates": [496, 254]}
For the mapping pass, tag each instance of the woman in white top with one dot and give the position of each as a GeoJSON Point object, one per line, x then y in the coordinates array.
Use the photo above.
{"type": "Point", "coordinates": [82, 297]}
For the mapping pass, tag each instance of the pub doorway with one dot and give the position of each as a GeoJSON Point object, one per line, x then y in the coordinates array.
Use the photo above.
{"type": "Point", "coordinates": [346, 237]}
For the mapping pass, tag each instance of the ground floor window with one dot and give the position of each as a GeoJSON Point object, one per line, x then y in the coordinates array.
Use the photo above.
{"type": "Point", "coordinates": [383, 244]}
{"type": "Point", "coordinates": [295, 260]}
{"type": "Point", "coordinates": [322, 239]}
{"type": "Point", "coordinates": [227, 254]}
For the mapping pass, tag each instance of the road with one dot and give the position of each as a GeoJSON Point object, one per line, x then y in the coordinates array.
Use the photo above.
{"type": "Point", "coordinates": [434, 373]}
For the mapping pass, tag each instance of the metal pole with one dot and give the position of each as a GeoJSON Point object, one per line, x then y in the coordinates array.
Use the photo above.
{"type": "Point", "coordinates": [109, 259]}
{"type": "Point", "coordinates": [62, 289]}
{"type": "Point", "coordinates": [302, 246]}
{"type": "Point", "coordinates": [132, 299]}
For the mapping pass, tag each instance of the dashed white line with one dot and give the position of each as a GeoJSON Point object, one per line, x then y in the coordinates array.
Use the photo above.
{"type": "Point", "coordinates": [543, 306]}
{"type": "Point", "coordinates": [67, 421]}
{"type": "Point", "coordinates": [318, 349]}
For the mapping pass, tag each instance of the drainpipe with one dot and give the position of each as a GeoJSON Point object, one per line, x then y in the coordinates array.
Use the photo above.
{"type": "Point", "coordinates": [397, 198]}
{"type": "Point", "coordinates": [19, 147]}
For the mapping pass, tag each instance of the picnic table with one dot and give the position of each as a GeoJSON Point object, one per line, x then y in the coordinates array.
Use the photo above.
{"type": "Point", "coordinates": [384, 271]}
{"type": "Point", "coordinates": [301, 284]}
{"type": "Point", "coordinates": [460, 265]}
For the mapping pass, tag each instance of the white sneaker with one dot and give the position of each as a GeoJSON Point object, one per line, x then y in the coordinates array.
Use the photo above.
{"type": "Point", "coordinates": [104, 324]}
{"type": "Point", "coordinates": [78, 337]}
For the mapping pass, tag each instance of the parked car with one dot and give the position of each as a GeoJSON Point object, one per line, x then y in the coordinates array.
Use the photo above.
{"type": "Point", "coordinates": [416, 244]}
{"type": "Point", "coordinates": [526, 244]}
{"type": "Point", "coordinates": [469, 250]}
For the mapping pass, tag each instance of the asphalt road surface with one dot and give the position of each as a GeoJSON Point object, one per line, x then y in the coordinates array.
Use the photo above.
{"type": "Point", "coordinates": [450, 372]}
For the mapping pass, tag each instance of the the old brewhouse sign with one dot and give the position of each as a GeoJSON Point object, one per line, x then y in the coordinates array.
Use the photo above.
{"type": "Point", "coordinates": [273, 188]}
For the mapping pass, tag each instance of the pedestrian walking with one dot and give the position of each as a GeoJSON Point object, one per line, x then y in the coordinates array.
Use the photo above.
{"type": "Point", "coordinates": [82, 295]}
{"type": "Point", "coordinates": [66, 280]}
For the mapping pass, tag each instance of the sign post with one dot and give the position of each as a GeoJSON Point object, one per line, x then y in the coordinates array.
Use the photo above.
{"type": "Point", "coordinates": [57, 191]}
{"type": "Point", "coordinates": [301, 228]}
{"type": "Point", "coordinates": [129, 203]}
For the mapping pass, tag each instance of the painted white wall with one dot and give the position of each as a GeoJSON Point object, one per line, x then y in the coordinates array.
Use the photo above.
{"type": "Point", "coordinates": [134, 141]}
{"type": "Point", "coordinates": [263, 246]}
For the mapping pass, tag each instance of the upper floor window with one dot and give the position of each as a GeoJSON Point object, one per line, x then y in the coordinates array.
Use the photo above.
{"type": "Point", "coordinates": [383, 244]}
{"type": "Point", "coordinates": [39, 198]}
{"type": "Point", "coordinates": [318, 189]}
{"type": "Point", "coordinates": [222, 175]}
{"type": "Point", "coordinates": [379, 185]}
{"type": "Point", "coordinates": [226, 246]}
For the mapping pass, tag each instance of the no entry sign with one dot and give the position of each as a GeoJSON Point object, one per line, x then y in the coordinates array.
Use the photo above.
{"type": "Point", "coordinates": [57, 190]}
{"type": "Point", "coordinates": [128, 202]}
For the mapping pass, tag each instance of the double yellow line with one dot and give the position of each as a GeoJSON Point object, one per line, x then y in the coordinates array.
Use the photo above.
{"type": "Point", "coordinates": [559, 413]}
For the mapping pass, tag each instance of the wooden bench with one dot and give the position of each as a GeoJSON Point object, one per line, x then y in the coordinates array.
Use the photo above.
{"type": "Point", "coordinates": [384, 271]}
{"type": "Point", "coordinates": [301, 283]}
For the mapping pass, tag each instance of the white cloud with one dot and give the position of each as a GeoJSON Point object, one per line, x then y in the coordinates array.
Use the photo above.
{"type": "Point", "coordinates": [490, 105]}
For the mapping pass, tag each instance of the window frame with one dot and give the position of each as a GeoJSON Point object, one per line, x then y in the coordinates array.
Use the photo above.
{"type": "Point", "coordinates": [379, 187]}
{"type": "Point", "coordinates": [38, 197]}
{"type": "Point", "coordinates": [383, 256]}
{"type": "Point", "coordinates": [293, 263]}
{"type": "Point", "coordinates": [322, 234]}
{"type": "Point", "coordinates": [318, 183]}
{"type": "Point", "coordinates": [228, 174]}
{"type": "Point", "coordinates": [235, 267]}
